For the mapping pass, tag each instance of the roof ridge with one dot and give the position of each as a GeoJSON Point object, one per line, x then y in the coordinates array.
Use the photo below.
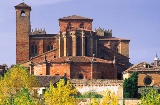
{"type": "Point", "coordinates": [74, 17]}
{"type": "Point", "coordinates": [23, 5]}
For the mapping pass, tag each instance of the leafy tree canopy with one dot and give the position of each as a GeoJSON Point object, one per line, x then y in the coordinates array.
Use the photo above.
{"type": "Point", "coordinates": [63, 94]}
{"type": "Point", "coordinates": [14, 80]}
{"type": "Point", "coordinates": [130, 87]}
{"type": "Point", "coordinates": [150, 97]}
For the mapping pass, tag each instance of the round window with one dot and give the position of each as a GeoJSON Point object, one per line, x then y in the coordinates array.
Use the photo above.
{"type": "Point", "coordinates": [148, 80]}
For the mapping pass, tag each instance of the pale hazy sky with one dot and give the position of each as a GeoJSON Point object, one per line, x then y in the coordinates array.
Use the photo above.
{"type": "Point", "coordinates": [137, 20]}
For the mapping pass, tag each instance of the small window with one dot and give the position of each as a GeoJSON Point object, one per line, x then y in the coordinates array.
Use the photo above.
{"type": "Point", "coordinates": [102, 57]}
{"type": "Point", "coordinates": [80, 76]}
{"type": "Point", "coordinates": [102, 77]}
{"type": "Point", "coordinates": [23, 13]}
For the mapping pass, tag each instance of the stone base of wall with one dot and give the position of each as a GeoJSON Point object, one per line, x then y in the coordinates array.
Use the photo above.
{"type": "Point", "coordinates": [87, 101]}
{"type": "Point", "coordinates": [129, 101]}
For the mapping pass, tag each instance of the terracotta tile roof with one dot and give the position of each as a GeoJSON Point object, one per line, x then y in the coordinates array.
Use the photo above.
{"type": "Point", "coordinates": [113, 38]}
{"type": "Point", "coordinates": [79, 59]}
{"type": "Point", "coordinates": [74, 17]}
{"type": "Point", "coordinates": [143, 66]}
{"type": "Point", "coordinates": [44, 81]}
{"type": "Point", "coordinates": [22, 5]}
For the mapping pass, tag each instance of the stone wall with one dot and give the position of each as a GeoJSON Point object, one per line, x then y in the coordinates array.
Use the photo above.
{"type": "Point", "coordinates": [99, 85]}
{"type": "Point", "coordinates": [129, 101]}
{"type": "Point", "coordinates": [87, 101]}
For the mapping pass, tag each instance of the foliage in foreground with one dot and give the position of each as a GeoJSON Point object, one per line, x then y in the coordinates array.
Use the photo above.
{"type": "Point", "coordinates": [150, 97]}
{"type": "Point", "coordinates": [110, 98]}
{"type": "Point", "coordinates": [24, 98]}
{"type": "Point", "coordinates": [13, 81]}
{"type": "Point", "coordinates": [62, 95]}
{"type": "Point", "coordinates": [130, 87]}
{"type": "Point", "coordinates": [95, 101]}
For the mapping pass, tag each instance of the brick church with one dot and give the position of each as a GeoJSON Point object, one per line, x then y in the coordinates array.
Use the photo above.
{"type": "Point", "coordinates": [76, 51]}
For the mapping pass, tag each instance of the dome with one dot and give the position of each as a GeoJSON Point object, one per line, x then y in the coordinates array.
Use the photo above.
{"type": "Point", "coordinates": [156, 58]}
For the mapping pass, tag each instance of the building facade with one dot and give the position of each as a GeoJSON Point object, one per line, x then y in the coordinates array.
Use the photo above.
{"type": "Point", "coordinates": [94, 53]}
{"type": "Point", "coordinates": [148, 74]}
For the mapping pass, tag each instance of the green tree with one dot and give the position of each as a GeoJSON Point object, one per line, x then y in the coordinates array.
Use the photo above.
{"type": "Point", "coordinates": [130, 87]}
{"type": "Point", "coordinates": [150, 97]}
{"type": "Point", "coordinates": [90, 94]}
{"type": "Point", "coordinates": [60, 95]}
{"type": "Point", "coordinates": [24, 98]}
{"type": "Point", "coordinates": [13, 81]}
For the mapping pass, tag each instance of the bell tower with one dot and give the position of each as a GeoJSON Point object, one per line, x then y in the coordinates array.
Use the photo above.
{"type": "Point", "coordinates": [22, 32]}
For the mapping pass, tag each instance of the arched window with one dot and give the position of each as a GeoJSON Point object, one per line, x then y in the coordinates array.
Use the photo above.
{"type": "Point", "coordinates": [50, 47]}
{"type": "Point", "coordinates": [81, 25]}
{"type": "Point", "coordinates": [34, 48]}
{"type": "Point", "coordinates": [69, 25]}
{"type": "Point", "coordinates": [80, 76]}
{"type": "Point", "coordinates": [78, 46]}
{"type": "Point", "coordinates": [23, 13]}
{"type": "Point", "coordinates": [86, 46]}
{"type": "Point", "coordinates": [115, 47]}
{"type": "Point", "coordinates": [70, 45]}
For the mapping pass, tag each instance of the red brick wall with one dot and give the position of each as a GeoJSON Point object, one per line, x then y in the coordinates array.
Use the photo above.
{"type": "Point", "coordinates": [42, 44]}
{"type": "Point", "coordinates": [22, 33]}
{"type": "Point", "coordinates": [81, 68]}
{"type": "Point", "coordinates": [40, 69]}
{"type": "Point", "coordinates": [60, 69]}
{"type": "Point", "coordinates": [75, 24]}
{"type": "Point", "coordinates": [107, 71]}
{"type": "Point", "coordinates": [73, 69]}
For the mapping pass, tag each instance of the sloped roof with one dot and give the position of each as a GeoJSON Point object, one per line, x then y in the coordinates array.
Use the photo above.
{"type": "Point", "coordinates": [143, 66]}
{"type": "Point", "coordinates": [22, 6]}
{"type": "Point", "coordinates": [79, 59]}
{"type": "Point", "coordinates": [44, 81]}
{"type": "Point", "coordinates": [74, 17]}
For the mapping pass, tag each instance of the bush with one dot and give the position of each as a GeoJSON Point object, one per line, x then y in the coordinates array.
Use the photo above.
{"type": "Point", "coordinates": [90, 94]}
